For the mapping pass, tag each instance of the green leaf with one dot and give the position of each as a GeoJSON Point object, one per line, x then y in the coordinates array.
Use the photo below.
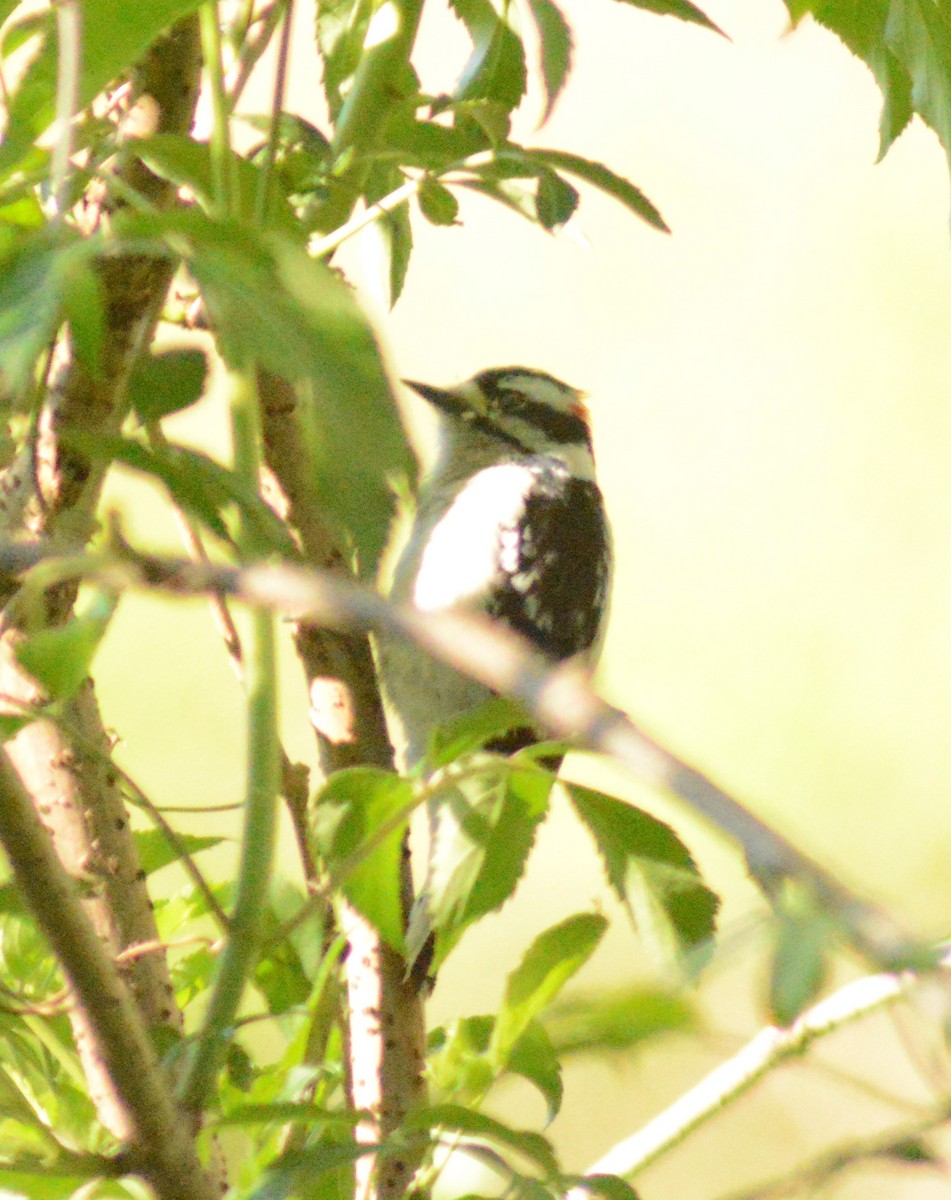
{"type": "Point", "coordinates": [599, 176]}
{"type": "Point", "coordinates": [188, 163]}
{"type": "Point", "coordinates": [281, 1112]}
{"type": "Point", "coordinates": [111, 44]}
{"type": "Point", "coordinates": [37, 271]}
{"type": "Point", "coordinates": [534, 1058]}
{"type": "Point", "coordinates": [556, 200]}
{"type": "Point", "coordinates": [359, 819]}
{"type": "Point", "coordinates": [59, 658]}
{"type": "Point", "coordinates": [201, 486]}
{"type": "Point", "coordinates": [805, 938]}
{"type": "Point", "coordinates": [862, 27]}
{"type": "Point", "coordinates": [651, 871]}
{"type": "Point", "coordinates": [470, 730]}
{"type": "Point", "coordinates": [275, 307]}
{"type": "Point", "coordinates": [611, 1187]}
{"type": "Point", "coordinates": [484, 829]}
{"type": "Point", "coordinates": [295, 1172]}
{"type": "Point", "coordinates": [10, 725]}
{"type": "Point", "coordinates": [677, 8]}
{"type": "Point", "coordinates": [918, 32]}
{"type": "Point", "coordinates": [40, 1184]}
{"type": "Point", "coordinates": [458, 1065]}
{"type": "Point", "coordinates": [341, 27]}
{"type": "Point", "coordinates": [85, 309]}
{"type": "Point", "coordinates": [457, 1119]}
{"type": "Point", "coordinates": [555, 44]}
{"type": "Point", "coordinates": [610, 1022]}
{"type": "Point", "coordinates": [393, 230]}
{"type": "Point", "coordinates": [549, 963]}
{"type": "Point", "coordinates": [167, 382]}
{"type": "Point", "coordinates": [437, 204]}
{"type": "Point", "coordinates": [156, 850]}
{"type": "Point", "coordinates": [496, 66]}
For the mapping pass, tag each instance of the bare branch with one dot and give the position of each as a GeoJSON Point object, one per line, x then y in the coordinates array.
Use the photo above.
{"type": "Point", "coordinates": [757, 1059]}
{"type": "Point", "coordinates": [559, 698]}
{"type": "Point", "coordinates": [386, 1020]}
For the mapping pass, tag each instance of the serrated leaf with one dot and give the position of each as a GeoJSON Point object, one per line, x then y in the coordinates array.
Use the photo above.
{"type": "Point", "coordinates": [432, 146]}
{"type": "Point", "coordinates": [59, 658]}
{"type": "Point", "coordinates": [599, 176]}
{"type": "Point", "coordinates": [682, 9]}
{"type": "Point", "coordinates": [555, 46]}
{"type": "Point", "coordinates": [611, 1022]}
{"type": "Point", "coordinates": [496, 66]}
{"type": "Point", "coordinates": [862, 28]}
{"type": "Point", "coordinates": [551, 960]}
{"type": "Point", "coordinates": [484, 829]}
{"type": "Point", "coordinates": [340, 26]}
{"type": "Point", "coordinates": [111, 44]}
{"type": "Point", "coordinates": [156, 850]}
{"type": "Point", "coordinates": [347, 819]}
{"type": "Point", "coordinates": [167, 382]}
{"type": "Point", "coordinates": [556, 200]}
{"type": "Point", "coordinates": [918, 32]}
{"type": "Point", "coordinates": [437, 204]}
{"type": "Point", "coordinates": [534, 1058]}
{"type": "Point", "coordinates": [651, 871]}
{"type": "Point", "coordinates": [393, 231]}
{"type": "Point", "coordinates": [457, 1119]}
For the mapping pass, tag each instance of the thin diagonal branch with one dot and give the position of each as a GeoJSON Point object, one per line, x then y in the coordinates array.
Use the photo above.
{"type": "Point", "coordinates": [559, 698]}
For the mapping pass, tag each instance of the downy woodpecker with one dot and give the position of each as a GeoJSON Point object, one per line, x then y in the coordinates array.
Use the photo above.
{"type": "Point", "coordinates": [510, 521]}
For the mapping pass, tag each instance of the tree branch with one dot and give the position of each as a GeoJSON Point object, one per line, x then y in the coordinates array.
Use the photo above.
{"type": "Point", "coordinates": [558, 697]}
{"type": "Point", "coordinates": [770, 1047]}
{"type": "Point", "coordinates": [47, 491]}
{"type": "Point", "coordinates": [162, 1146]}
{"type": "Point", "coordinates": [386, 1018]}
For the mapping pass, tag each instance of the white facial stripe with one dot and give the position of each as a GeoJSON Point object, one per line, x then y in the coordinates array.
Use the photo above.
{"type": "Point", "coordinates": [543, 391]}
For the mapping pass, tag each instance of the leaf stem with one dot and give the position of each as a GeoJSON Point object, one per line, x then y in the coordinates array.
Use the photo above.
{"type": "Point", "coordinates": [69, 33]}
{"type": "Point", "coordinates": [277, 108]}
{"type": "Point", "coordinates": [263, 784]}
{"type": "Point", "coordinates": [222, 161]}
{"type": "Point", "coordinates": [257, 845]}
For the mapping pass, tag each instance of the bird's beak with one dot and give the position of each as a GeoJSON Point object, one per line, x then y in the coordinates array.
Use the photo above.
{"type": "Point", "coordinates": [443, 398]}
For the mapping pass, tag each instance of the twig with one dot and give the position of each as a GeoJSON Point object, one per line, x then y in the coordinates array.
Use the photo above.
{"type": "Point", "coordinates": [559, 697]}
{"type": "Point", "coordinates": [901, 1146]}
{"type": "Point", "coordinates": [758, 1058]}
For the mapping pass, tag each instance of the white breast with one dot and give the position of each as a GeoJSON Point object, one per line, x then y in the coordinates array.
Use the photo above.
{"type": "Point", "coordinates": [474, 539]}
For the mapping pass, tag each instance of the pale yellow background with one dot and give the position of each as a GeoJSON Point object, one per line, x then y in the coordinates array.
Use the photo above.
{"type": "Point", "coordinates": [771, 393]}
